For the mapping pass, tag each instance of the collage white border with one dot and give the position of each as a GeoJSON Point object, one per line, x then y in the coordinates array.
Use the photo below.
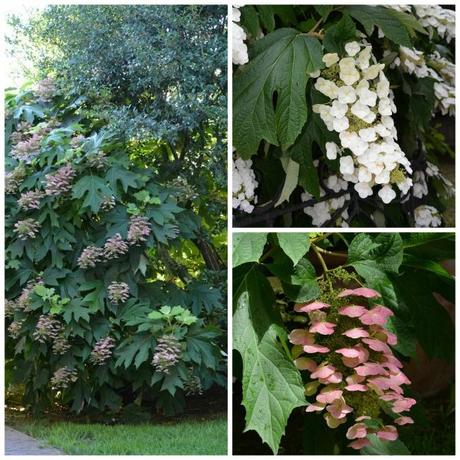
{"type": "Point", "coordinates": [231, 230]}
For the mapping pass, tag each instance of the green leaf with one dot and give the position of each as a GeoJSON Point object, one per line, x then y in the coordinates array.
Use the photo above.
{"type": "Point", "coordinates": [94, 189]}
{"type": "Point", "coordinates": [339, 34]}
{"type": "Point", "coordinates": [396, 27]}
{"type": "Point", "coordinates": [284, 59]}
{"type": "Point", "coordinates": [295, 245]}
{"type": "Point", "coordinates": [379, 447]}
{"type": "Point", "coordinates": [302, 285]}
{"type": "Point", "coordinates": [433, 246]}
{"type": "Point", "coordinates": [76, 311]}
{"type": "Point", "coordinates": [272, 386]}
{"type": "Point", "coordinates": [248, 247]}
{"type": "Point", "coordinates": [291, 168]}
{"type": "Point", "coordinates": [433, 326]}
{"type": "Point", "coordinates": [117, 174]}
{"type": "Point", "coordinates": [155, 315]}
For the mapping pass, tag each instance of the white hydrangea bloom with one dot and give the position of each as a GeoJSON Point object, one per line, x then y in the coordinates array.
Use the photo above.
{"type": "Point", "coordinates": [427, 216]}
{"type": "Point", "coordinates": [323, 211]}
{"type": "Point", "coordinates": [240, 50]}
{"type": "Point", "coordinates": [437, 19]}
{"type": "Point", "coordinates": [361, 110]}
{"type": "Point", "coordinates": [244, 185]}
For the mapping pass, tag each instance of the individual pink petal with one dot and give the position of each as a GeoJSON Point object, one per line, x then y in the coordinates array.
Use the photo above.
{"type": "Point", "coordinates": [356, 333]}
{"type": "Point", "coordinates": [353, 311]}
{"type": "Point", "coordinates": [339, 408]}
{"type": "Point", "coordinates": [333, 422]}
{"type": "Point", "coordinates": [315, 407]}
{"type": "Point", "coordinates": [359, 443]}
{"type": "Point", "coordinates": [363, 353]}
{"type": "Point", "coordinates": [390, 396]}
{"type": "Point", "coordinates": [378, 315]}
{"type": "Point", "coordinates": [350, 362]}
{"type": "Point", "coordinates": [355, 378]}
{"type": "Point", "coordinates": [323, 372]}
{"type": "Point", "coordinates": [403, 405]}
{"type": "Point", "coordinates": [301, 337]}
{"type": "Point", "coordinates": [380, 382]}
{"type": "Point", "coordinates": [348, 352]}
{"type": "Point", "coordinates": [404, 421]}
{"type": "Point", "coordinates": [370, 369]}
{"type": "Point", "coordinates": [307, 308]}
{"type": "Point", "coordinates": [388, 433]}
{"type": "Point", "coordinates": [393, 360]}
{"type": "Point", "coordinates": [363, 417]}
{"type": "Point", "coordinates": [377, 345]}
{"type": "Point", "coordinates": [361, 292]}
{"type": "Point", "coordinates": [305, 364]}
{"type": "Point", "coordinates": [323, 327]}
{"type": "Point", "coordinates": [328, 397]}
{"type": "Point", "coordinates": [399, 378]}
{"type": "Point", "coordinates": [391, 338]}
{"type": "Point", "coordinates": [356, 387]}
{"type": "Point", "coordinates": [315, 349]}
{"type": "Point", "coordinates": [336, 377]}
{"type": "Point", "coordinates": [357, 431]}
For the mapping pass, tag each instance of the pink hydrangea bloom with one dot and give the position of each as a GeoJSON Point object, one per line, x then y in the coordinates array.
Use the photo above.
{"type": "Point", "coordinates": [307, 308]}
{"type": "Point", "coordinates": [360, 292]}
{"type": "Point", "coordinates": [365, 350]}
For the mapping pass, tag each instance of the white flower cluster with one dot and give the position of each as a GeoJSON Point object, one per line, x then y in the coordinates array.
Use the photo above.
{"type": "Point", "coordinates": [420, 188]}
{"type": "Point", "coordinates": [244, 185]}
{"type": "Point", "coordinates": [323, 211]}
{"type": "Point", "coordinates": [427, 216]}
{"type": "Point", "coordinates": [414, 62]}
{"type": "Point", "coordinates": [436, 18]}
{"type": "Point", "coordinates": [240, 50]}
{"type": "Point", "coordinates": [361, 111]}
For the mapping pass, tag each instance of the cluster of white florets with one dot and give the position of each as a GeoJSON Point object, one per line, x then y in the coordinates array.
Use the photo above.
{"type": "Point", "coordinates": [240, 50]}
{"type": "Point", "coordinates": [436, 18]}
{"type": "Point", "coordinates": [244, 185]}
{"type": "Point", "coordinates": [415, 62]}
{"type": "Point", "coordinates": [427, 216]}
{"type": "Point", "coordinates": [323, 211]}
{"type": "Point", "coordinates": [421, 185]}
{"type": "Point", "coordinates": [361, 110]}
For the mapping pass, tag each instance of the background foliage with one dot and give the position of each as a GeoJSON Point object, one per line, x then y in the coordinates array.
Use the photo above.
{"type": "Point", "coordinates": [133, 101]}
{"type": "Point", "coordinates": [273, 271]}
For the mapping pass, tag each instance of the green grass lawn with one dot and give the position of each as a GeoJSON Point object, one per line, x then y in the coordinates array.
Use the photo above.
{"type": "Point", "coordinates": [187, 437]}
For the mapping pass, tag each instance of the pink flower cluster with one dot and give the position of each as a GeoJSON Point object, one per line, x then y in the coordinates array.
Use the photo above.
{"type": "Point", "coordinates": [347, 361]}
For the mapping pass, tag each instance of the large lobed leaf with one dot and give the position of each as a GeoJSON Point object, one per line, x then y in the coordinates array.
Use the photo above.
{"type": "Point", "coordinates": [272, 386]}
{"type": "Point", "coordinates": [284, 59]}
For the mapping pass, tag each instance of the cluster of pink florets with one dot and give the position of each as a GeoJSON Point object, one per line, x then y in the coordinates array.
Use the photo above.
{"type": "Point", "coordinates": [350, 362]}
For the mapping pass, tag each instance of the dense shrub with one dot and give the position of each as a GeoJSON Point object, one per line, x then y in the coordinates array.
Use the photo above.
{"type": "Point", "coordinates": [113, 269]}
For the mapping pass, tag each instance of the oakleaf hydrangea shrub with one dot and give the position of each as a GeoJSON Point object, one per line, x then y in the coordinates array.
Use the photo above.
{"type": "Point", "coordinates": [355, 135]}
{"type": "Point", "coordinates": [354, 375]}
{"type": "Point", "coordinates": [84, 225]}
